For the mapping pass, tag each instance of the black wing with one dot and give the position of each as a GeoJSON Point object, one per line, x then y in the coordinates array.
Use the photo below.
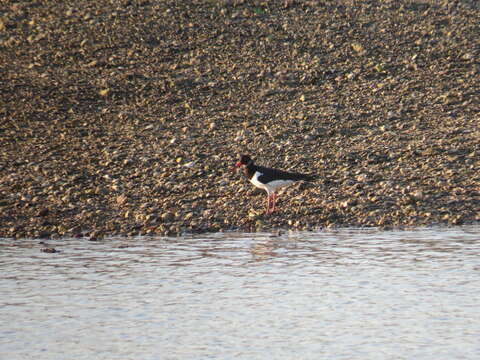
{"type": "Point", "coordinates": [275, 174]}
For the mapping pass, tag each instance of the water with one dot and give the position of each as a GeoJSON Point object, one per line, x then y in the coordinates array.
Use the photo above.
{"type": "Point", "coordinates": [351, 294]}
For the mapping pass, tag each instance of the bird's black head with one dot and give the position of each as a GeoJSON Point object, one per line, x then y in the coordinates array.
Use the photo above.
{"type": "Point", "coordinates": [244, 160]}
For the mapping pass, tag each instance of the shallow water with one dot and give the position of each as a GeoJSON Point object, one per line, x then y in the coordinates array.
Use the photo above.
{"type": "Point", "coordinates": [350, 294]}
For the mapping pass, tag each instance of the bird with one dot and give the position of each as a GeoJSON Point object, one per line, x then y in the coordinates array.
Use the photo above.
{"type": "Point", "coordinates": [269, 179]}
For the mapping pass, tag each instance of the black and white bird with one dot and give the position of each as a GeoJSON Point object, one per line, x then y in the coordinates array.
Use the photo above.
{"type": "Point", "coordinates": [269, 179]}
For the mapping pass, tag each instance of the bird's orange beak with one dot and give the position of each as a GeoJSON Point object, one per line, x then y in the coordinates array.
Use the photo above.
{"type": "Point", "coordinates": [237, 165]}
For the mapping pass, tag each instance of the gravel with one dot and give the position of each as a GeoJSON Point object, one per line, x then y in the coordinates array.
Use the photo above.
{"type": "Point", "coordinates": [125, 117]}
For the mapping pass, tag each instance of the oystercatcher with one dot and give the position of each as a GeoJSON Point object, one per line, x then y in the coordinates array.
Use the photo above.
{"type": "Point", "coordinates": [268, 179]}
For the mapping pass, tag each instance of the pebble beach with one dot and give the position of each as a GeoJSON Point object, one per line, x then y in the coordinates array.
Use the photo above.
{"type": "Point", "coordinates": [125, 118]}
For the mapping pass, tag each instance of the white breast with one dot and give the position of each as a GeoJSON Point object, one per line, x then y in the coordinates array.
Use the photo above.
{"type": "Point", "coordinates": [271, 186]}
{"type": "Point", "coordinates": [254, 181]}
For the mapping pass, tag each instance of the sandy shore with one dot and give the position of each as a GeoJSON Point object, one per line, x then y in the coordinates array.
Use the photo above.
{"type": "Point", "coordinates": [125, 119]}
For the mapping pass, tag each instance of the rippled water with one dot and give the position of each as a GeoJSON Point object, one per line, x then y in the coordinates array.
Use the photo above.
{"type": "Point", "coordinates": [351, 294]}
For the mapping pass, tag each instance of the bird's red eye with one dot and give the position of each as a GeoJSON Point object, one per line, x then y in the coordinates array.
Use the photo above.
{"type": "Point", "coordinates": [238, 164]}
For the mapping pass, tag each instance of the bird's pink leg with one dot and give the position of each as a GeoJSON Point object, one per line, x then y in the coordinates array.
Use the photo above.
{"type": "Point", "coordinates": [273, 202]}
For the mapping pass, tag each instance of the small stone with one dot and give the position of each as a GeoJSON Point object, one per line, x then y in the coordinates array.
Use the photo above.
{"type": "Point", "coordinates": [95, 236]}
{"type": "Point", "coordinates": [92, 63]}
{"type": "Point", "coordinates": [43, 212]}
{"type": "Point", "coordinates": [362, 177]}
{"type": "Point", "coordinates": [391, 115]}
{"type": "Point", "coordinates": [418, 194]}
{"type": "Point", "coordinates": [167, 217]}
{"type": "Point", "coordinates": [121, 199]}
{"type": "Point", "coordinates": [104, 92]}
{"type": "Point", "coordinates": [358, 47]}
